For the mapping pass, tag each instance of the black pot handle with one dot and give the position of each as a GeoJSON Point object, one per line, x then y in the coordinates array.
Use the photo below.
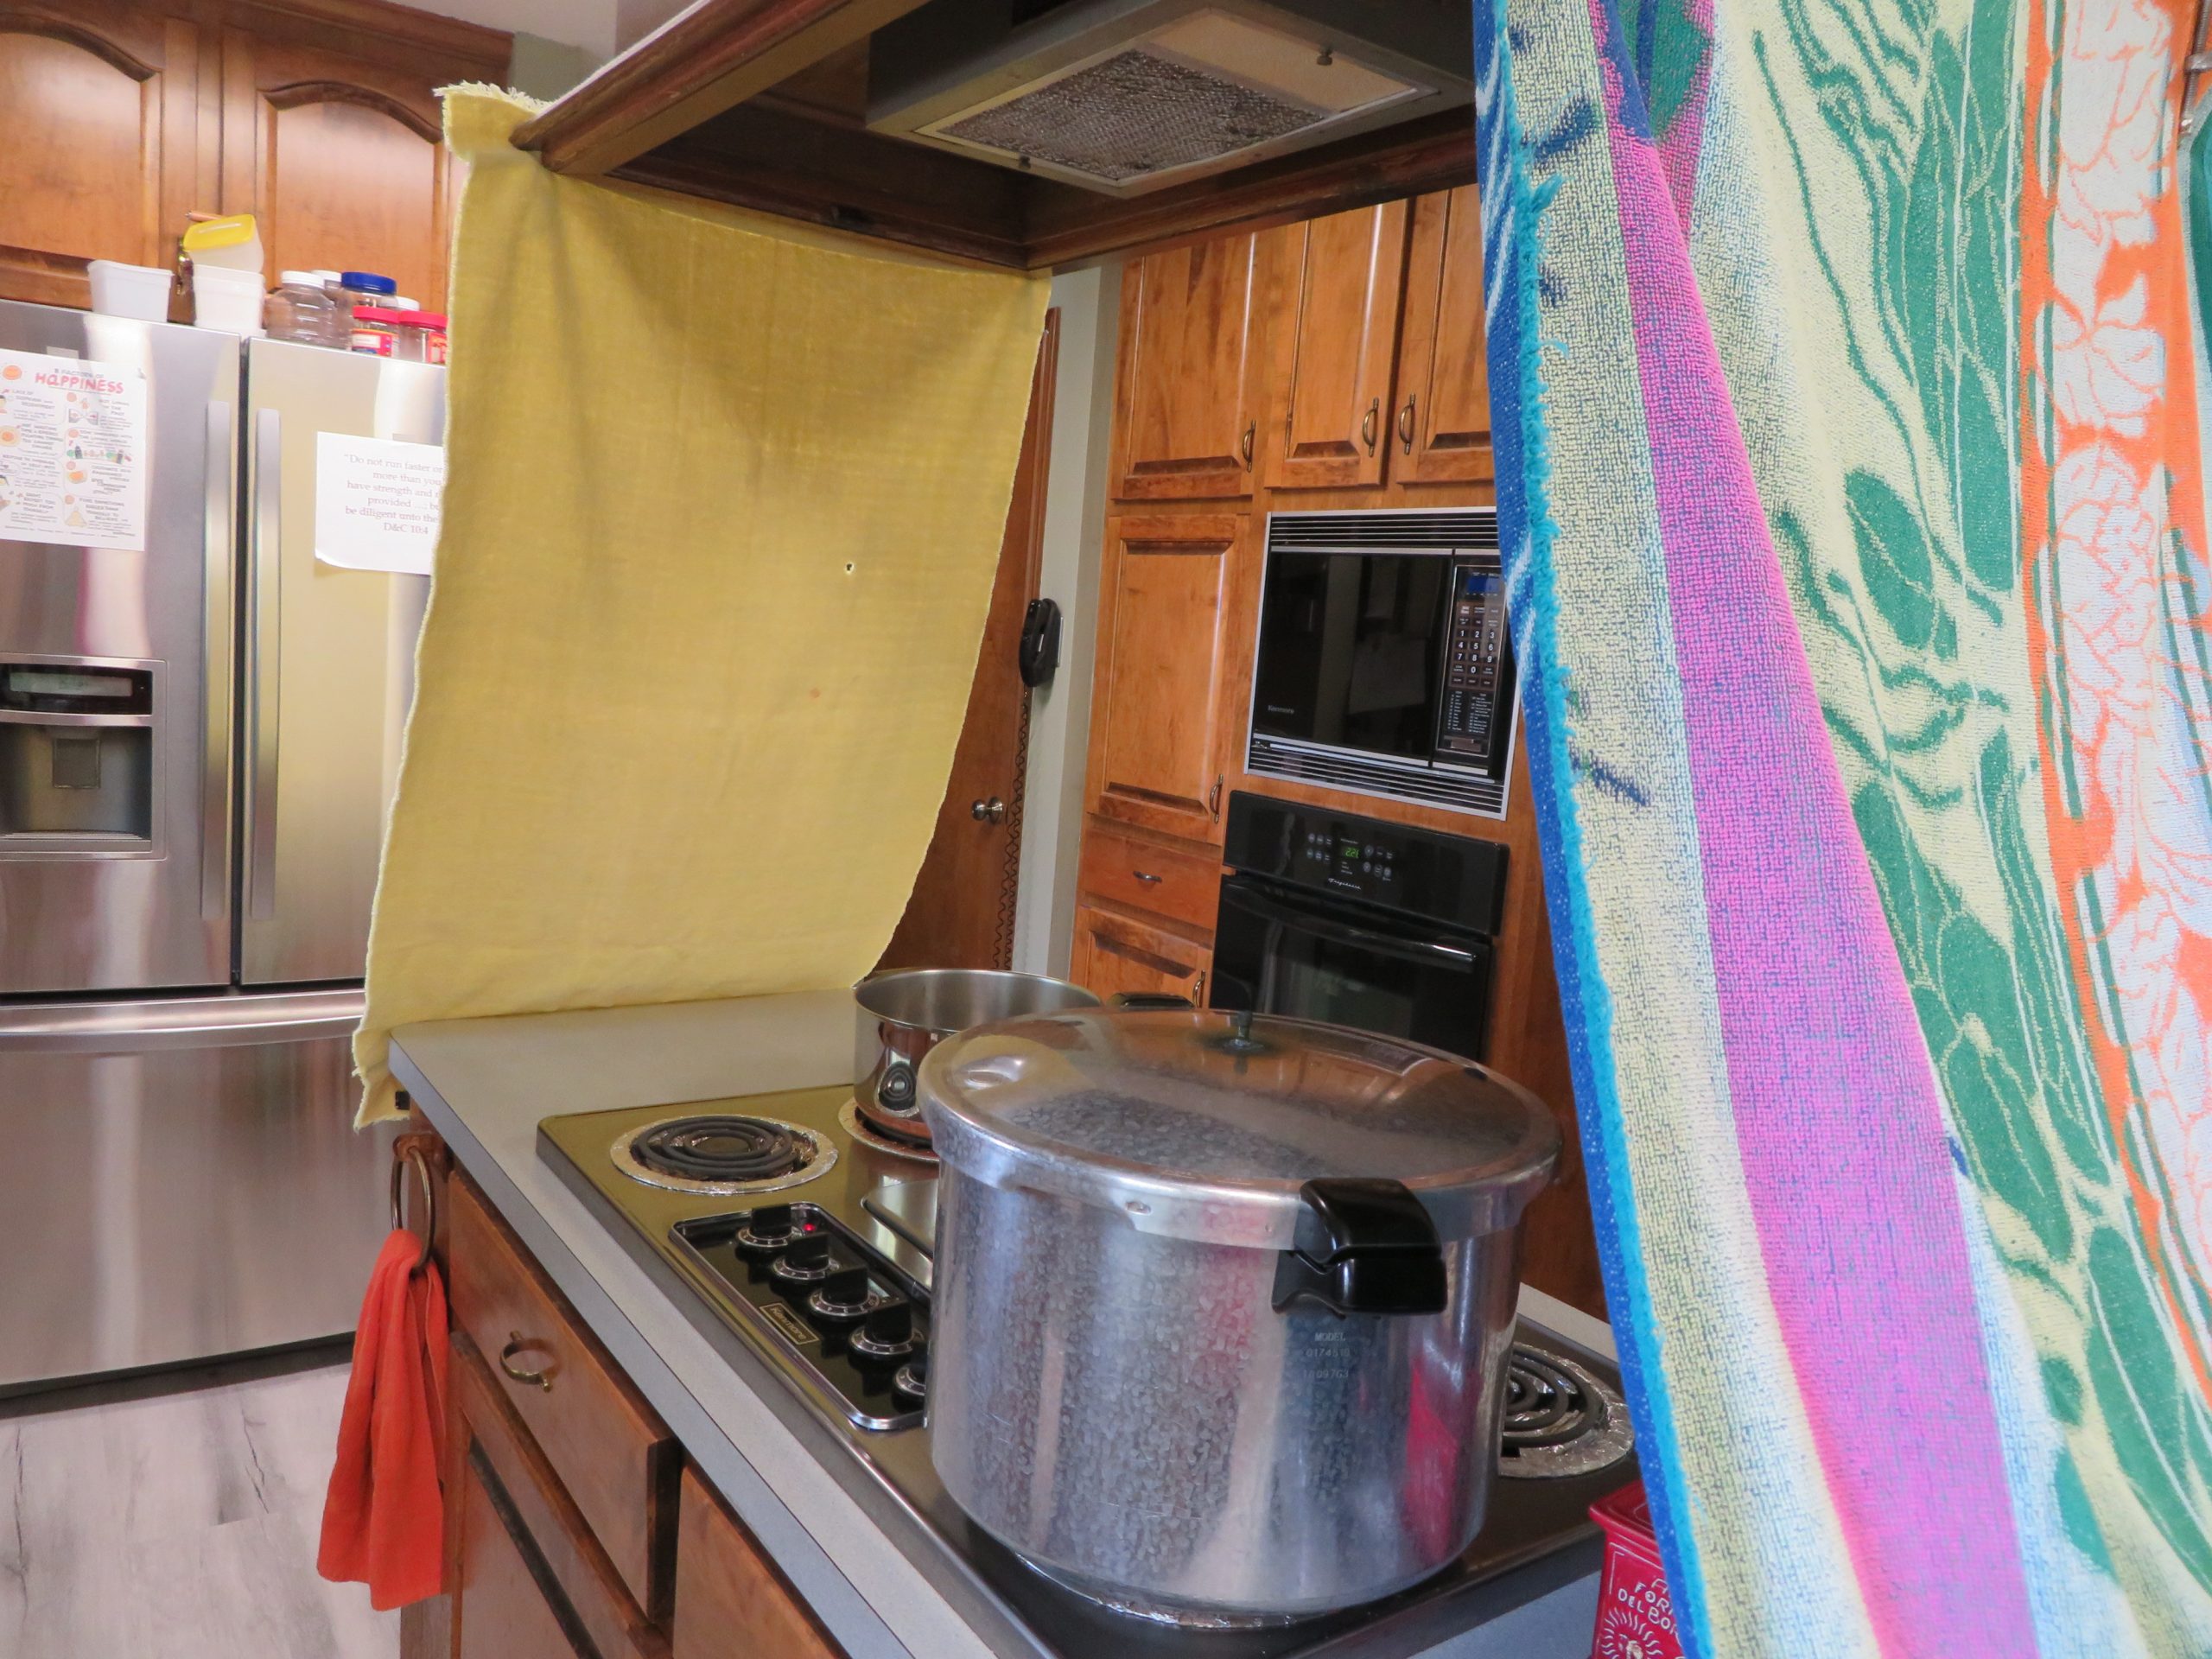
{"type": "Point", "coordinates": [1362, 1247]}
{"type": "Point", "coordinates": [894, 1085]}
{"type": "Point", "coordinates": [1144, 1001]}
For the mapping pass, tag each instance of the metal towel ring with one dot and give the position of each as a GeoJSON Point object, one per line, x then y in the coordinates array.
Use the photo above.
{"type": "Point", "coordinates": [413, 1156]}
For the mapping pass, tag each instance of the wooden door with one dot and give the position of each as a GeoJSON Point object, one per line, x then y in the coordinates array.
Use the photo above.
{"type": "Point", "coordinates": [1114, 953]}
{"type": "Point", "coordinates": [730, 1600]}
{"type": "Point", "coordinates": [340, 160]}
{"type": "Point", "coordinates": [1160, 715]}
{"type": "Point", "coordinates": [1441, 423]}
{"type": "Point", "coordinates": [101, 157]}
{"type": "Point", "coordinates": [1335, 288]}
{"type": "Point", "coordinates": [961, 912]}
{"type": "Point", "coordinates": [502, 1612]}
{"type": "Point", "coordinates": [1183, 425]}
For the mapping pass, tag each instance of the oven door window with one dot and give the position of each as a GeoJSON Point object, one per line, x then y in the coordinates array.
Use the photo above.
{"type": "Point", "coordinates": [1282, 952]}
{"type": "Point", "coordinates": [1350, 650]}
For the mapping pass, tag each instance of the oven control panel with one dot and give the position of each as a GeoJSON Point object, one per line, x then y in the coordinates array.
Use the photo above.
{"type": "Point", "coordinates": [1456, 880]}
{"type": "Point", "coordinates": [1478, 657]}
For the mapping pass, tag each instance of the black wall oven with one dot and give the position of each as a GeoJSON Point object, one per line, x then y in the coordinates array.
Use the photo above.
{"type": "Point", "coordinates": [1384, 664]}
{"type": "Point", "coordinates": [1328, 916]}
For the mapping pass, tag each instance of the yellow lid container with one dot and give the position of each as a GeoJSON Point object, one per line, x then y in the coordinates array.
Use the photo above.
{"type": "Point", "coordinates": [232, 242]}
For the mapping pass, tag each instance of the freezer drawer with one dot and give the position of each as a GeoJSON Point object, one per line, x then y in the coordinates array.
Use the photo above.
{"type": "Point", "coordinates": [183, 1180]}
{"type": "Point", "coordinates": [329, 665]}
{"type": "Point", "coordinates": [115, 689]}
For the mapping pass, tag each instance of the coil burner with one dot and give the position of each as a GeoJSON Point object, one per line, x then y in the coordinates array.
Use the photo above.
{"type": "Point", "coordinates": [1559, 1419]}
{"type": "Point", "coordinates": [719, 1154]}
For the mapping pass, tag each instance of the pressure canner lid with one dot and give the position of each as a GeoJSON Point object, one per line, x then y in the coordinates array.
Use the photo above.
{"type": "Point", "coordinates": [1205, 1125]}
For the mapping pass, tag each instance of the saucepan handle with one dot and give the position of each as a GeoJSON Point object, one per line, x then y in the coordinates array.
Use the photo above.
{"type": "Point", "coordinates": [1144, 1001]}
{"type": "Point", "coordinates": [1362, 1246]}
{"type": "Point", "coordinates": [894, 1085]}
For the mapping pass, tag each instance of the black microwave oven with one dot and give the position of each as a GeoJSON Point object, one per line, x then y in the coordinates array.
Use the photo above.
{"type": "Point", "coordinates": [1384, 664]}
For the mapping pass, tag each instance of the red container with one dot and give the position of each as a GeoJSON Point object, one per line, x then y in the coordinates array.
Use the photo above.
{"type": "Point", "coordinates": [1635, 1620]}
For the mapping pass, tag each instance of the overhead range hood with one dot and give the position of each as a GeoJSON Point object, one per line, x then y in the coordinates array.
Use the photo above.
{"type": "Point", "coordinates": [1129, 96]}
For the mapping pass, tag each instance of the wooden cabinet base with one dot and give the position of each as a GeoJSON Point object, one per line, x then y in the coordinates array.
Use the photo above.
{"type": "Point", "coordinates": [729, 1598]}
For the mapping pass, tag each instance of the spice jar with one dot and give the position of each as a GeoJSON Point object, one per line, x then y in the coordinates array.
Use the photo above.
{"type": "Point", "coordinates": [377, 330]}
{"type": "Point", "coordinates": [433, 325]}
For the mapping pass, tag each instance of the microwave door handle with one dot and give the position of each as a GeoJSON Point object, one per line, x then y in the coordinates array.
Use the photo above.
{"type": "Point", "coordinates": [1328, 927]}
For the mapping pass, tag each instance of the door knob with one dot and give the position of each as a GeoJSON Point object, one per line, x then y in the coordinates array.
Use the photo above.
{"type": "Point", "coordinates": [991, 811]}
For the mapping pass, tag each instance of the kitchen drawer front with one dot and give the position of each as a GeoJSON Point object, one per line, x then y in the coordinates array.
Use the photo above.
{"type": "Point", "coordinates": [496, 1465]}
{"type": "Point", "coordinates": [1145, 875]}
{"type": "Point", "coordinates": [615, 1457]}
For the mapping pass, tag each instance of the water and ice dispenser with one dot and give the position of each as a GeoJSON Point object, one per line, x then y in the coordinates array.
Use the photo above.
{"type": "Point", "coordinates": [76, 754]}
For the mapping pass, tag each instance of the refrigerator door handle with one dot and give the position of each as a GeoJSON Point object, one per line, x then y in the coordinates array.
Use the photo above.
{"type": "Point", "coordinates": [263, 597]}
{"type": "Point", "coordinates": [220, 557]}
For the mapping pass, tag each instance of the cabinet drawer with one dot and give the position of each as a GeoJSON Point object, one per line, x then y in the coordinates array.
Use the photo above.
{"type": "Point", "coordinates": [1145, 875]}
{"type": "Point", "coordinates": [615, 1457]}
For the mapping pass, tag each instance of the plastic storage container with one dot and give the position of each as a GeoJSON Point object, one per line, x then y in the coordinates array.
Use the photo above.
{"type": "Point", "coordinates": [300, 310]}
{"type": "Point", "coordinates": [433, 324]}
{"type": "Point", "coordinates": [377, 331]}
{"type": "Point", "coordinates": [1636, 1616]}
{"type": "Point", "coordinates": [366, 287]}
{"type": "Point", "coordinates": [140, 291]}
{"type": "Point", "coordinates": [225, 299]}
{"type": "Point", "coordinates": [229, 243]}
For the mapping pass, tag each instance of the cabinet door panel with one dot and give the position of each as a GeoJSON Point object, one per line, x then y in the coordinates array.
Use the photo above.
{"type": "Point", "coordinates": [504, 1612]}
{"type": "Point", "coordinates": [1114, 954]}
{"type": "Point", "coordinates": [730, 1599]}
{"type": "Point", "coordinates": [99, 158]}
{"type": "Point", "coordinates": [342, 162]}
{"type": "Point", "coordinates": [1441, 426]}
{"type": "Point", "coordinates": [1337, 281]}
{"type": "Point", "coordinates": [1163, 670]}
{"type": "Point", "coordinates": [1182, 426]}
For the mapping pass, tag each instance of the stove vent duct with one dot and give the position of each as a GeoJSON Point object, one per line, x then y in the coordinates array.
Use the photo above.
{"type": "Point", "coordinates": [1127, 96]}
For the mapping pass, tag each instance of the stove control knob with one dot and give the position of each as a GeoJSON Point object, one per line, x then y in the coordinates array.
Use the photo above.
{"type": "Point", "coordinates": [887, 1332]}
{"type": "Point", "coordinates": [767, 1230]}
{"type": "Point", "coordinates": [842, 1296]}
{"type": "Point", "coordinates": [912, 1380]}
{"type": "Point", "coordinates": [807, 1259]}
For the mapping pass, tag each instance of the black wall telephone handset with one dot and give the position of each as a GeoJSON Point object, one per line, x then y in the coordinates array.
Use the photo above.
{"type": "Point", "coordinates": [1040, 642]}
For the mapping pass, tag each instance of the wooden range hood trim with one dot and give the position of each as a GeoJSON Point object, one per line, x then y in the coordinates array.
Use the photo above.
{"type": "Point", "coordinates": [711, 57]}
{"type": "Point", "coordinates": [690, 109]}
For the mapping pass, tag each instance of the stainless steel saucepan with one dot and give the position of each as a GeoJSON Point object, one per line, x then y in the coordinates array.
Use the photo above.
{"type": "Point", "coordinates": [903, 1015]}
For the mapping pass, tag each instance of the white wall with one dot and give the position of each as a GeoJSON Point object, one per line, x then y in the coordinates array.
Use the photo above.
{"type": "Point", "coordinates": [1075, 524]}
{"type": "Point", "coordinates": [589, 24]}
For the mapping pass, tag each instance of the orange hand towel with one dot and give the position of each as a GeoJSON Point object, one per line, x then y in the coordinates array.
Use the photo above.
{"type": "Point", "coordinates": [383, 1522]}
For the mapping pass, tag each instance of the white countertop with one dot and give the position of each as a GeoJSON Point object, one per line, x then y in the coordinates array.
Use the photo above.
{"type": "Point", "coordinates": [485, 1084]}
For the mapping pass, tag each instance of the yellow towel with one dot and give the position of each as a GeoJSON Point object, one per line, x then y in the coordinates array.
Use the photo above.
{"type": "Point", "coordinates": [722, 509]}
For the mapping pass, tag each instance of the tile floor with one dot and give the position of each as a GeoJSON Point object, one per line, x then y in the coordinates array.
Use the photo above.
{"type": "Point", "coordinates": [176, 1517]}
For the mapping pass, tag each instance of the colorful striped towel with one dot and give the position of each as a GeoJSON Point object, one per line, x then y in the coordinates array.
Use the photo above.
{"type": "Point", "coordinates": [1845, 406]}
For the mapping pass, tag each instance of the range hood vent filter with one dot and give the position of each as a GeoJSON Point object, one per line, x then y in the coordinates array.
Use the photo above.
{"type": "Point", "coordinates": [1134, 114]}
{"type": "Point", "coordinates": [1125, 96]}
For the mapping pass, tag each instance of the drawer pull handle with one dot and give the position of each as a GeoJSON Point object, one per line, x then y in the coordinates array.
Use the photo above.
{"type": "Point", "coordinates": [1146, 877]}
{"type": "Point", "coordinates": [516, 1343]}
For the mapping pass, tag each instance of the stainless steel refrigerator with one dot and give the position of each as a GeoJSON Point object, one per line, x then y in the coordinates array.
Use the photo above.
{"type": "Point", "coordinates": [199, 737]}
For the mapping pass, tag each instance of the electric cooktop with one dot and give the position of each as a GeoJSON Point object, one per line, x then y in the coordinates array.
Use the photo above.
{"type": "Point", "coordinates": [799, 1245]}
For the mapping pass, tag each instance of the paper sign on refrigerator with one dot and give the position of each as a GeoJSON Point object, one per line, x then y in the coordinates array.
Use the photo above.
{"type": "Point", "coordinates": [376, 503]}
{"type": "Point", "coordinates": [72, 452]}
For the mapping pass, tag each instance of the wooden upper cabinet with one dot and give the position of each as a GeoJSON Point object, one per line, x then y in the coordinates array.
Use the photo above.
{"type": "Point", "coordinates": [341, 161]}
{"type": "Point", "coordinates": [1441, 424]}
{"type": "Point", "coordinates": [1183, 426]}
{"type": "Point", "coordinates": [1165, 677]}
{"type": "Point", "coordinates": [100, 156]}
{"type": "Point", "coordinates": [1335, 284]}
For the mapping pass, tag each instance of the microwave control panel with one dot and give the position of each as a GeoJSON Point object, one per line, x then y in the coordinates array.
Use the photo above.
{"type": "Point", "coordinates": [1478, 671]}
